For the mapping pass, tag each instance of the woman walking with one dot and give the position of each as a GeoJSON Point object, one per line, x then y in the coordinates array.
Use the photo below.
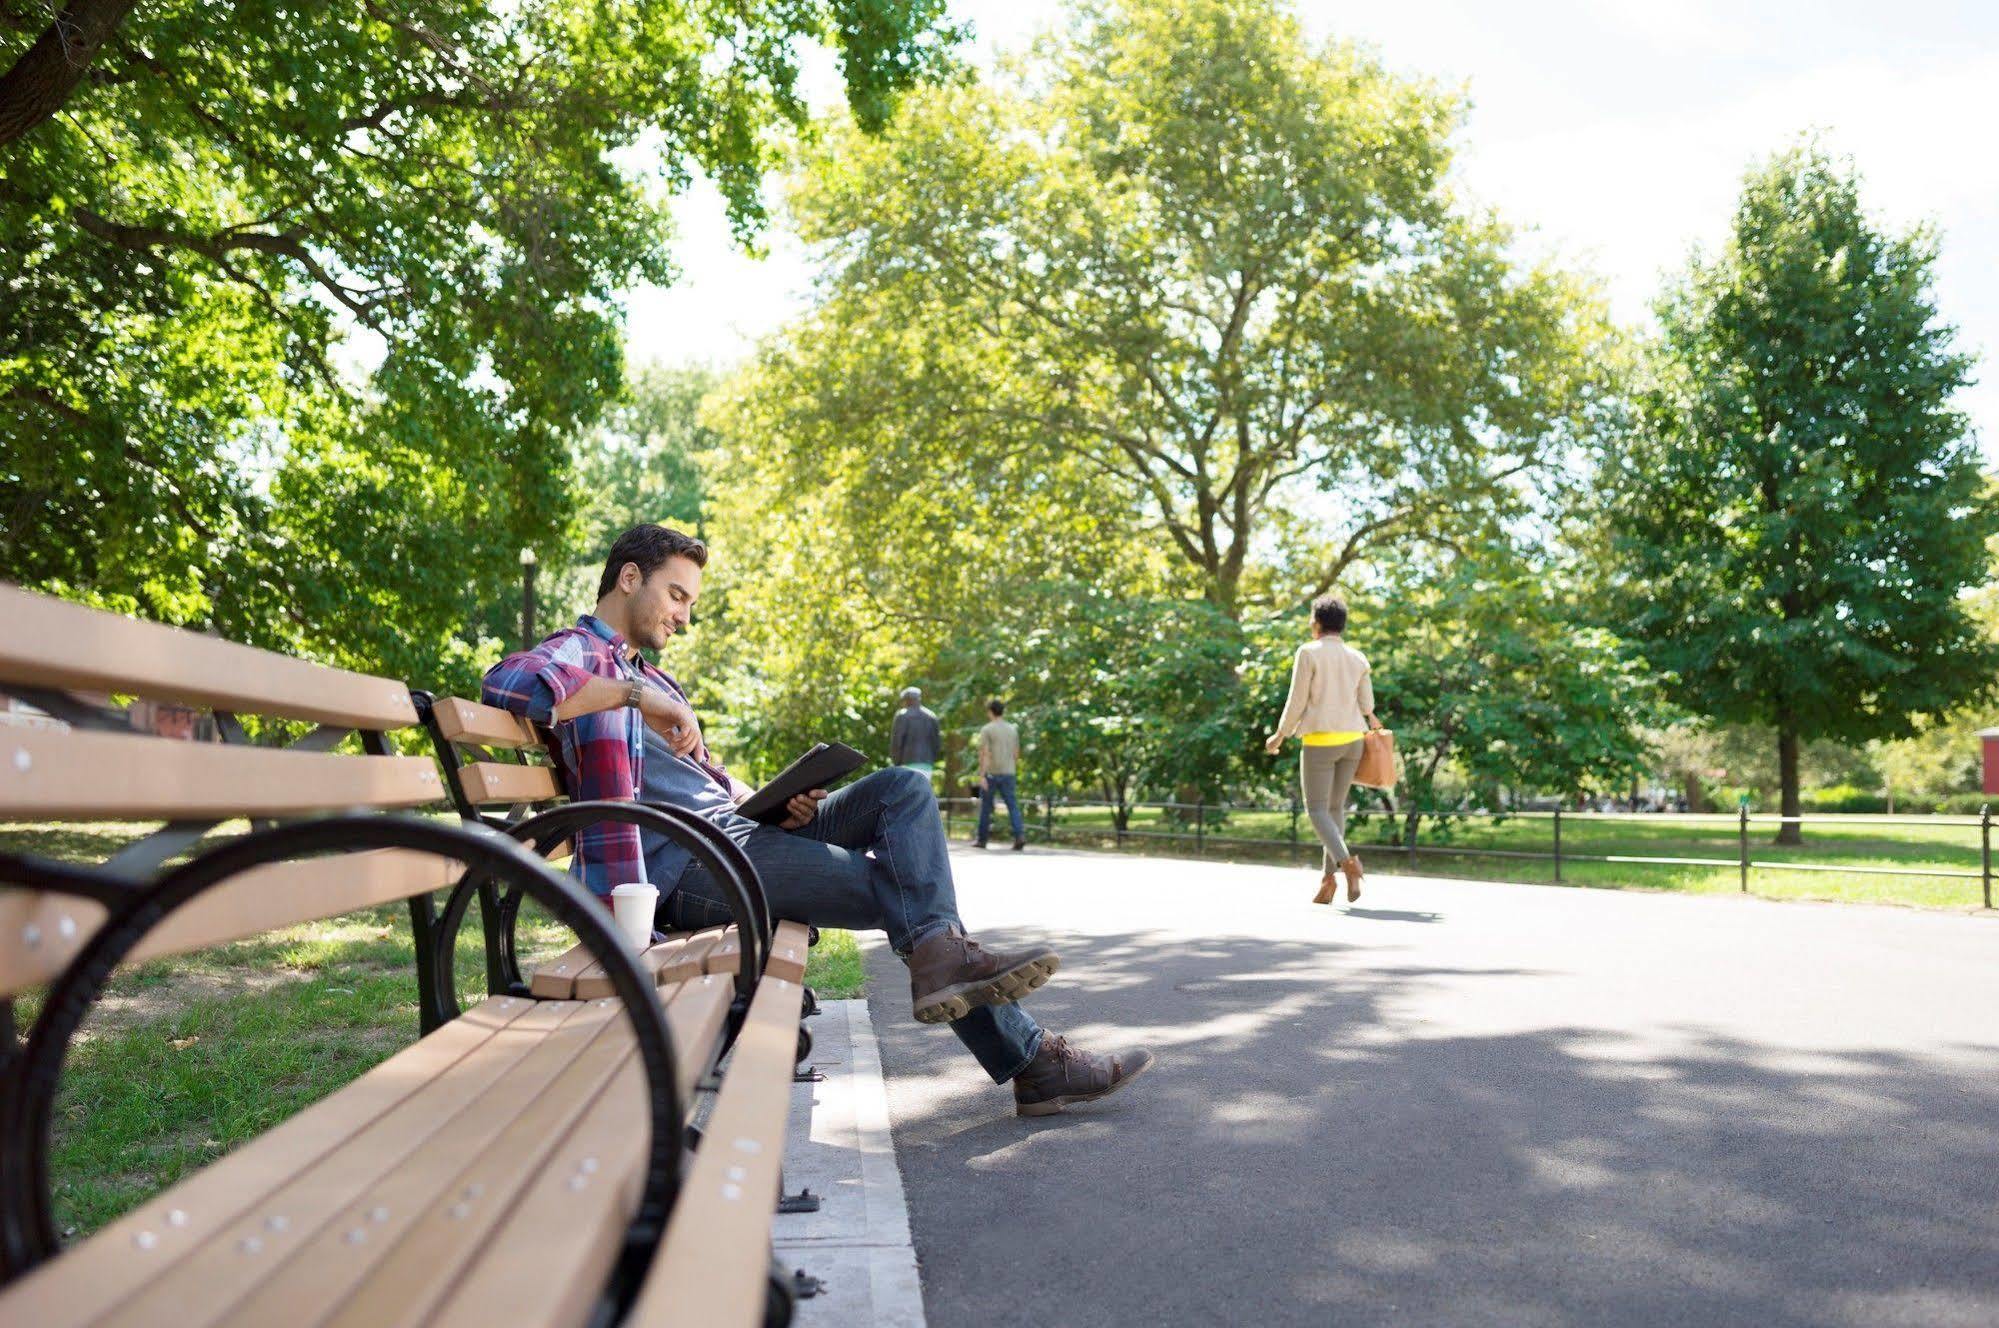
{"type": "Point", "coordinates": [1331, 705]}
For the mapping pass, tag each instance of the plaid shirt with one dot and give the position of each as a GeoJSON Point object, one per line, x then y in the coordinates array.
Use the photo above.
{"type": "Point", "coordinates": [602, 755]}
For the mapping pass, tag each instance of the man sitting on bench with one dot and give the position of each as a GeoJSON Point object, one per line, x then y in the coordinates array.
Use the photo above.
{"type": "Point", "coordinates": [871, 856]}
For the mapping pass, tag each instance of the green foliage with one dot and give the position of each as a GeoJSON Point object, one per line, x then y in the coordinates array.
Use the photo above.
{"type": "Point", "coordinates": [1727, 758]}
{"type": "Point", "coordinates": [1844, 798]}
{"type": "Point", "coordinates": [303, 317]}
{"type": "Point", "coordinates": [642, 462]}
{"type": "Point", "coordinates": [1218, 267]}
{"type": "Point", "coordinates": [1941, 758]}
{"type": "Point", "coordinates": [1113, 693]}
{"type": "Point", "coordinates": [1791, 531]}
{"type": "Point", "coordinates": [1484, 667]}
{"type": "Point", "coordinates": [848, 562]}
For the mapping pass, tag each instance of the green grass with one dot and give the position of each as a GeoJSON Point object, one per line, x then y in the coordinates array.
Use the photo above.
{"type": "Point", "coordinates": [1856, 844]}
{"type": "Point", "coordinates": [190, 1055]}
{"type": "Point", "coordinates": [833, 967]}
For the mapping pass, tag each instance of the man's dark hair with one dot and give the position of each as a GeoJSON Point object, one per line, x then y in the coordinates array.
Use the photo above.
{"type": "Point", "coordinates": [1330, 612]}
{"type": "Point", "coordinates": [649, 545]}
{"type": "Point", "coordinates": [996, 707]}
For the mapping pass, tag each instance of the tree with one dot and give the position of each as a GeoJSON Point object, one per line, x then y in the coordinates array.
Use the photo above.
{"type": "Point", "coordinates": [1115, 693]}
{"type": "Point", "coordinates": [1219, 266]}
{"type": "Point", "coordinates": [306, 313]}
{"type": "Point", "coordinates": [1485, 667]}
{"type": "Point", "coordinates": [840, 577]}
{"type": "Point", "coordinates": [1791, 529]}
{"type": "Point", "coordinates": [643, 463]}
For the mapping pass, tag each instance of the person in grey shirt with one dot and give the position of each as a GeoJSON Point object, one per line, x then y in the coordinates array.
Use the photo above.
{"type": "Point", "coordinates": [915, 740]}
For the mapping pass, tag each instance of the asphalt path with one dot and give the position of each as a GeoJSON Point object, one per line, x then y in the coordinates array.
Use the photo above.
{"type": "Point", "coordinates": [1462, 1103]}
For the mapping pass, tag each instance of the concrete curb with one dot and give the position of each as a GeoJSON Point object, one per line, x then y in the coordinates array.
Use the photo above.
{"type": "Point", "coordinates": [839, 1146]}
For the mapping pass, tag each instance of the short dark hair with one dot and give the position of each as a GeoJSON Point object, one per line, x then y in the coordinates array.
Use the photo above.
{"type": "Point", "coordinates": [996, 706]}
{"type": "Point", "coordinates": [649, 545]}
{"type": "Point", "coordinates": [1330, 612]}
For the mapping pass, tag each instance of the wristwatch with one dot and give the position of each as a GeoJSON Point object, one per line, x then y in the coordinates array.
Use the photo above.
{"type": "Point", "coordinates": [633, 692]}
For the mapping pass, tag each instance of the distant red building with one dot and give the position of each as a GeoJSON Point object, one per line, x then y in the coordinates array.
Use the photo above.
{"type": "Point", "coordinates": [1989, 739]}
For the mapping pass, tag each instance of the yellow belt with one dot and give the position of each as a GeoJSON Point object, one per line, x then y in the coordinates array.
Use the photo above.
{"type": "Point", "coordinates": [1329, 739]}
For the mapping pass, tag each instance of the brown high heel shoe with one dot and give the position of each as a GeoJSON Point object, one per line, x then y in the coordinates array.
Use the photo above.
{"type": "Point", "coordinates": [1329, 890]}
{"type": "Point", "coordinates": [1352, 868]}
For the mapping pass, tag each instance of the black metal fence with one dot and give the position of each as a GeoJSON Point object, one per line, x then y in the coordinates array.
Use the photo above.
{"type": "Point", "coordinates": [1042, 821]}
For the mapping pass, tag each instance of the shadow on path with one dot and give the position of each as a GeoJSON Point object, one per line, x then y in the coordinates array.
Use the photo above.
{"type": "Point", "coordinates": [1312, 1149]}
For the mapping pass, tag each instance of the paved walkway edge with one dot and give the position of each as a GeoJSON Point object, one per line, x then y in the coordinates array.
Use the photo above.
{"type": "Point", "coordinates": [839, 1146]}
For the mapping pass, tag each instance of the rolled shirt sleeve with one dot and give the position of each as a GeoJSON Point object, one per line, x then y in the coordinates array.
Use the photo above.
{"type": "Point", "coordinates": [596, 752]}
{"type": "Point", "coordinates": [533, 683]}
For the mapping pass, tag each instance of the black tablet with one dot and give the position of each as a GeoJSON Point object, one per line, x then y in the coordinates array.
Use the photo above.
{"type": "Point", "coordinates": [826, 764]}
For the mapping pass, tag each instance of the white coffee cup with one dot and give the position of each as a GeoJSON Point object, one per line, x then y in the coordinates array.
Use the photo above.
{"type": "Point", "coordinates": [634, 904]}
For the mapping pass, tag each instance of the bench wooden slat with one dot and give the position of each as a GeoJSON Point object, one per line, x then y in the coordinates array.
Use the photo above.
{"type": "Point", "coordinates": [700, 1006]}
{"type": "Point", "coordinates": [120, 1261]}
{"type": "Point", "coordinates": [548, 1262]}
{"type": "Point", "coordinates": [488, 782]}
{"type": "Point", "coordinates": [688, 960]}
{"type": "Point", "coordinates": [487, 1170]}
{"type": "Point", "coordinates": [668, 962]}
{"type": "Point", "coordinates": [713, 1264]}
{"type": "Point", "coordinates": [594, 984]}
{"type": "Point", "coordinates": [48, 774]}
{"type": "Point", "coordinates": [52, 643]}
{"type": "Point", "coordinates": [486, 726]}
{"type": "Point", "coordinates": [41, 932]}
{"type": "Point", "coordinates": [555, 979]}
{"type": "Point", "coordinates": [232, 1263]}
{"type": "Point", "coordinates": [790, 946]}
{"type": "Point", "coordinates": [575, 975]}
{"type": "Point", "coordinates": [726, 955]}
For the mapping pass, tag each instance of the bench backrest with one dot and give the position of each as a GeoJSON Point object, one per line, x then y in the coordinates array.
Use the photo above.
{"type": "Point", "coordinates": [81, 667]}
{"type": "Point", "coordinates": [470, 737]}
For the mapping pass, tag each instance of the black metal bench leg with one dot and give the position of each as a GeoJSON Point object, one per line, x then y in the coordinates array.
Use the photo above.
{"type": "Point", "coordinates": [492, 925]}
{"type": "Point", "coordinates": [430, 1004]}
{"type": "Point", "coordinates": [787, 1287]}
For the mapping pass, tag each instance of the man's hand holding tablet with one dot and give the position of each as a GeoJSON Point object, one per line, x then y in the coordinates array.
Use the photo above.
{"type": "Point", "coordinates": [803, 807]}
{"type": "Point", "coordinates": [792, 799]}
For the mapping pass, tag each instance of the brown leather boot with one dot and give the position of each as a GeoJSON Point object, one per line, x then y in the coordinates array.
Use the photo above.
{"type": "Point", "coordinates": [1329, 889]}
{"type": "Point", "coordinates": [1061, 1074]}
{"type": "Point", "coordinates": [1352, 868]}
{"type": "Point", "coordinates": [950, 974]}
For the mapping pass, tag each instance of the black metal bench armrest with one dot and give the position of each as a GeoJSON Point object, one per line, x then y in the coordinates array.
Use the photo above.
{"type": "Point", "coordinates": [27, 1228]}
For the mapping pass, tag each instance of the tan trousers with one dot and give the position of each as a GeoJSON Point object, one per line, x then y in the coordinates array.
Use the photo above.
{"type": "Point", "coordinates": [1325, 774]}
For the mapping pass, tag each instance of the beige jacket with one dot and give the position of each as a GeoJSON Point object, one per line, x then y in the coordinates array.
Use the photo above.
{"type": "Point", "coordinates": [1331, 690]}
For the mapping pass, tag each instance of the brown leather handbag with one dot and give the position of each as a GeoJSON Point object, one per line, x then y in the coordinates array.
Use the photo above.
{"type": "Point", "coordinates": [1377, 760]}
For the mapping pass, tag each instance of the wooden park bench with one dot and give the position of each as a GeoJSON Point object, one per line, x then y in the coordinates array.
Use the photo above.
{"type": "Point", "coordinates": [523, 1162]}
{"type": "Point", "coordinates": [499, 772]}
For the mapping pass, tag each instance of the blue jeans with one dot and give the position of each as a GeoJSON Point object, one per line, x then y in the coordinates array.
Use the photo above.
{"type": "Point", "coordinates": [873, 859]}
{"type": "Point", "coordinates": [1003, 786]}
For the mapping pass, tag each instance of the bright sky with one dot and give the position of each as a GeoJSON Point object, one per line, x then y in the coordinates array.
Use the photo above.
{"type": "Point", "coordinates": [1614, 132]}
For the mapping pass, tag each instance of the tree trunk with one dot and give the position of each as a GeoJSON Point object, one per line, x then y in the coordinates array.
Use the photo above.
{"type": "Point", "coordinates": [1223, 589]}
{"type": "Point", "coordinates": [38, 84]}
{"type": "Point", "coordinates": [1790, 832]}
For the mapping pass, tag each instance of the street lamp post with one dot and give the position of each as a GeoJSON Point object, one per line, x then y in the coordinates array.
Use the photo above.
{"type": "Point", "coordinates": [527, 598]}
